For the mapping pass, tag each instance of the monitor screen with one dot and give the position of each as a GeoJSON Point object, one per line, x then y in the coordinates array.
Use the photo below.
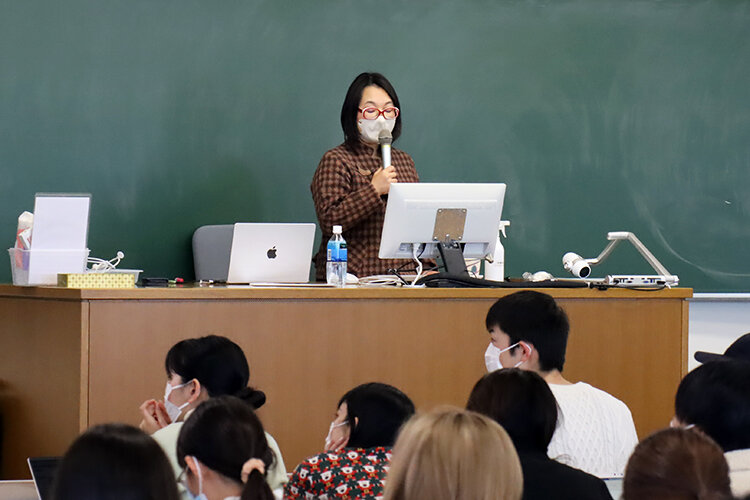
{"type": "Point", "coordinates": [424, 214]}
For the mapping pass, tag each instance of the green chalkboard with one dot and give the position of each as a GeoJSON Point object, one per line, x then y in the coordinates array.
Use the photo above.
{"type": "Point", "coordinates": [600, 115]}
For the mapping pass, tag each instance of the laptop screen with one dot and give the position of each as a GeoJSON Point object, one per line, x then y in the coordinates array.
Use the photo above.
{"type": "Point", "coordinates": [43, 472]}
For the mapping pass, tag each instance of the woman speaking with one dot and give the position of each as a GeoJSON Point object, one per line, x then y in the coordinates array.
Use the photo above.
{"type": "Point", "coordinates": [350, 185]}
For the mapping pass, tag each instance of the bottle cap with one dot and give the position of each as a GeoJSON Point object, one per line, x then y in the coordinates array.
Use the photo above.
{"type": "Point", "coordinates": [337, 229]}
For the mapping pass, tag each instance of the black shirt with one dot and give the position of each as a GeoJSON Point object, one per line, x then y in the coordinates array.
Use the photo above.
{"type": "Point", "coordinates": [546, 479]}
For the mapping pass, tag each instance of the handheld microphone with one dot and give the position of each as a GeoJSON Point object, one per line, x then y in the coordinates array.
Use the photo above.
{"type": "Point", "coordinates": [385, 139]}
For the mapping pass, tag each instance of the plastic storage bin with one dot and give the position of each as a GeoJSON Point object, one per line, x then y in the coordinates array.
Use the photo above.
{"type": "Point", "coordinates": [40, 267]}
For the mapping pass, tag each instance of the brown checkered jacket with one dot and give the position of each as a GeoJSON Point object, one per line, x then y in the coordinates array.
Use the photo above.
{"type": "Point", "coordinates": [343, 194]}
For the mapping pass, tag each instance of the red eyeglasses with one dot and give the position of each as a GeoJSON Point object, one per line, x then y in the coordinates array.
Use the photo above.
{"type": "Point", "coordinates": [373, 113]}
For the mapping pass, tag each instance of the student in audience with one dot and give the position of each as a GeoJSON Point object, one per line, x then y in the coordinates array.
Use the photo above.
{"type": "Point", "coordinates": [596, 434]}
{"type": "Point", "coordinates": [224, 452]}
{"type": "Point", "coordinates": [114, 462]}
{"type": "Point", "coordinates": [739, 350]}
{"type": "Point", "coordinates": [523, 404]}
{"type": "Point", "coordinates": [677, 464]}
{"type": "Point", "coordinates": [453, 454]}
{"type": "Point", "coordinates": [715, 398]}
{"type": "Point", "coordinates": [198, 369]}
{"type": "Point", "coordinates": [357, 448]}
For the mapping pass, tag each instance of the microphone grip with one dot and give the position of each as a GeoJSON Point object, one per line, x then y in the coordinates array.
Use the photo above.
{"type": "Point", "coordinates": [385, 150]}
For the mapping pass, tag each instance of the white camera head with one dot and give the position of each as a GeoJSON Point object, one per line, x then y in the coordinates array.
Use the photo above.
{"type": "Point", "coordinates": [576, 265]}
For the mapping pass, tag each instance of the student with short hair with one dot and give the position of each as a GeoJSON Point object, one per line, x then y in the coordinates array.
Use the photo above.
{"type": "Point", "coordinates": [199, 369]}
{"type": "Point", "coordinates": [453, 454]}
{"type": "Point", "coordinates": [224, 453]}
{"type": "Point", "coordinates": [523, 404]}
{"type": "Point", "coordinates": [596, 433]}
{"type": "Point", "coordinates": [114, 462]}
{"type": "Point", "coordinates": [357, 448]}
{"type": "Point", "coordinates": [677, 464]}
{"type": "Point", "coordinates": [715, 398]}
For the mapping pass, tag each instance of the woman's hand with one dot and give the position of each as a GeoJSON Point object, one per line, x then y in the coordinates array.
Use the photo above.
{"type": "Point", "coordinates": [383, 178]}
{"type": "Point", "coordinates": [155, 416]}
{"type": "Point", "coordinates": [339, 439]}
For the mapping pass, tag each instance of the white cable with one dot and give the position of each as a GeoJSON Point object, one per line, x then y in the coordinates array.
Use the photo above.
{"type": "Point", "coordinates": [101, 265]}
{"type": "Point", "coordinates": [420, 267]}
{"type": "Point", "coordinates": [380, 280]}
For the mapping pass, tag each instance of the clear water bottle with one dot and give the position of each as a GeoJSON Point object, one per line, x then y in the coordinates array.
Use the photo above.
{"type": "Point", "coordinates": [336, 259]}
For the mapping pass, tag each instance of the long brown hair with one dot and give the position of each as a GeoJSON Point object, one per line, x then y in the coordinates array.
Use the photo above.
{"type": "Point", "coordinates": [454, 454]}
{"type": "Point", "coordinates": [677, 464]}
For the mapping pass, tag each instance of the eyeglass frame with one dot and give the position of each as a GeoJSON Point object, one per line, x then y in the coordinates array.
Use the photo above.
{"type": "Point", "coordinates": [381, 112]}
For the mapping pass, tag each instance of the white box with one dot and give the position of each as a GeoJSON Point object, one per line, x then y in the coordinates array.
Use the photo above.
{"type": "Point", "coordinates": [40, 267]}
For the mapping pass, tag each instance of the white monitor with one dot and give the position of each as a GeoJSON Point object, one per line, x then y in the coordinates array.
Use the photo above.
{"type": "Point", "coordinates": [414, 208]}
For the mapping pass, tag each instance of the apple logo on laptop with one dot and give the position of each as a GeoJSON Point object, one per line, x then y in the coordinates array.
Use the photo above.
{"type": "Point", "coordinates": [271, 253]}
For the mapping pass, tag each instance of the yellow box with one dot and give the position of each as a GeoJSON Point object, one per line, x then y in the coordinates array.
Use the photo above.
{"type": "Point", "coordinates": [96, 280]}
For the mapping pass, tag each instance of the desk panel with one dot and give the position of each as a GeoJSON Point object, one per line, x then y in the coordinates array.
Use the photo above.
{"type": "Point", "coordinates": [307, 347]}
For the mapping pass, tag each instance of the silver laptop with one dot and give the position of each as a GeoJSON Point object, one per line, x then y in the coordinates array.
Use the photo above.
{"type": "Point", "coordinates": [271, 253]}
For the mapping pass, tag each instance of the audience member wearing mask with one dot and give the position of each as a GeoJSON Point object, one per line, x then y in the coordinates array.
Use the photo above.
{"type": "Point", "coordinates": [715, 399]}
{"type": "Point", "coordinates": [357, 448]}
{"type": "Point", "coordinates": [199, 369]}
{"type": "Point", "coordinates": [677, 464]}
{"type": "Point", "coordinates": [224, 453]}
{"type": "Point", "coordinates": [453, 454]}
{"type": "Point", "coordinates": [114, 462]}
{"type": "Point", "coordinates": [595, 432]}
{"type": "Point", "coordinates": [350, 186]}
{"type": "Point", "coordinates": [523, 404]}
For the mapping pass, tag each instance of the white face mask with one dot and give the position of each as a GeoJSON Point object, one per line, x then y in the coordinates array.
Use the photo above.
{"type": "Point", "coordinates": [492, 357]}
{"type": "Point", "coordinates": [333, 425]}
{"type": "Point", "coordinates": [370, 129]}
{"type": "Point", "coordinates": [173, 410]}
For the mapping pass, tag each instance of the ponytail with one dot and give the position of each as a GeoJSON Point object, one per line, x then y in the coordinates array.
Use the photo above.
{"type": "Point", "coordinates": [253, 397]}
{"type": "Point", "coordinates": [255, 486]}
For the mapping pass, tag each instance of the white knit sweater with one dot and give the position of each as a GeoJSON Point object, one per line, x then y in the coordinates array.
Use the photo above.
{"type": "Point", "coordinates": [595, 430]}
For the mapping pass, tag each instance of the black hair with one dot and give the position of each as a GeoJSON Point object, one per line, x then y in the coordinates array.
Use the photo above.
{"type": "Point", "coordinates": [521, 402]}
{"type": "Point", "coordinates": [380, 411]}
{"type": "Point", "coordinates": [351, 106]}
{"type": "Point", "coordinates": [218, 364]}
{"type": "Point", "coordinates": [716, 398]}
{"type": "Point", "coordinates": [536, 318]}
{"type": "Point", "coordinates": [114, 462]}
{"type": "Point", "coordinates": [223, 433]}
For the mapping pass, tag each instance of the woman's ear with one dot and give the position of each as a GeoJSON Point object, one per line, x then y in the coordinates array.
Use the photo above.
{"type": "Point", "coordinates": [191, 463]}
{"type": "Point", "coordinates": [195, 391]}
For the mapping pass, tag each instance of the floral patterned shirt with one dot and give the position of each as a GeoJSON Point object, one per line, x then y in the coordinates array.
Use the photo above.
{"type": "Point", "coordinates": [348, 473]}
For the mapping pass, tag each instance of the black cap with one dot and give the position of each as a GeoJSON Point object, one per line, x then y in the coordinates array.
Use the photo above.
{"type": "Point", "coordinates": [740, 350]}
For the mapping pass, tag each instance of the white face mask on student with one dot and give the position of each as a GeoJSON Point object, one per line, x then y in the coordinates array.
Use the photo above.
{"type": "Point", "coordinates": [492, 357]}
{"type": "Point", "coordinates": [370, 129]}
{"type": "Point", "coordinates": [173, 410]}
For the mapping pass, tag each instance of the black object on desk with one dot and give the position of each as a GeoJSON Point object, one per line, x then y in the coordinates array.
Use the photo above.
{"type": "Point", "coordinates": [162, 282]}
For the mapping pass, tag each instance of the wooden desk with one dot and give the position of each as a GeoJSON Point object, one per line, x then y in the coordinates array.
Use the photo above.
{"type": "Point", "coordinates": [74, 358]}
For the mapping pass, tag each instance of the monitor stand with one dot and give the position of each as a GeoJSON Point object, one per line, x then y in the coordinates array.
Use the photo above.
{"type": "Point", "coordinates": [453, 258]}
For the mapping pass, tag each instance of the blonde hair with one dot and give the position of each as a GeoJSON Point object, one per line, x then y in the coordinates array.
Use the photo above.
{"type": "Point", "coordinates": [453, 454]}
